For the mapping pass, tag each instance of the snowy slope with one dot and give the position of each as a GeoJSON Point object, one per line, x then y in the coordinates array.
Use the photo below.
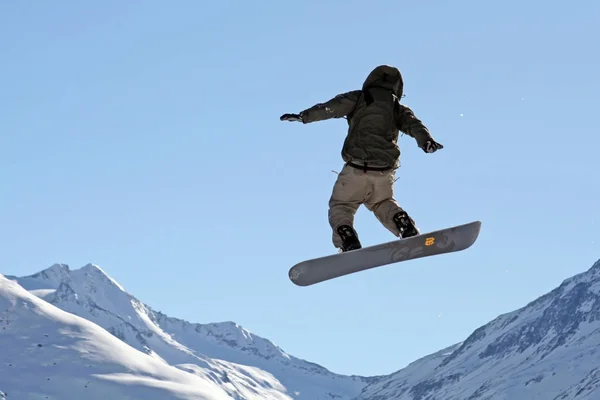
{"type": "Point", "coordinates": [225, 349]}
{"type": "Point", "coordinates": [549, 349]}
{"type": "Point", "coordinates": [47, 353]}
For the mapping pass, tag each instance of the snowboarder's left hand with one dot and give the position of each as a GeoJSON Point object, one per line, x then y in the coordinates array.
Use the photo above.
{"type": "Point", "coordinates": [291, 117]}
{"type": "Point", "coordinates": [431, 146]}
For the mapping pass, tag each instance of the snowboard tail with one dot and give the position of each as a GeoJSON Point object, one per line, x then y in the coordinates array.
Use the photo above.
{"type": "Point", "coordinates": [448, 240]}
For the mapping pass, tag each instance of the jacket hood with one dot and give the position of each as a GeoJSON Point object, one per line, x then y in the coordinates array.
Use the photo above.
{"type": "Point", "coordinates": [387, 77]}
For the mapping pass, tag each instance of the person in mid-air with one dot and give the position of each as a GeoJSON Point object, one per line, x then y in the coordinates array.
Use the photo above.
{"type": "Point", "coordinates": [371, 154]}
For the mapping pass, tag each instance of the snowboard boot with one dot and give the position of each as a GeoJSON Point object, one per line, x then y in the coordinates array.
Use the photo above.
{"type": "Point", "coordinates": [405, 225]}
{"type": "Point", "coordinates": [349, 238]}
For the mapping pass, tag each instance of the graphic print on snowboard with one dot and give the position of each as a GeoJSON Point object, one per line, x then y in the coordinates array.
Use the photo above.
{"type": "Point", "coordinates": [428, 244]}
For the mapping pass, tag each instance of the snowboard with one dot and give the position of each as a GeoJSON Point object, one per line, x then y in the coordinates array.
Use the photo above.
{"type": "Point", "coordinates": [448, 240]}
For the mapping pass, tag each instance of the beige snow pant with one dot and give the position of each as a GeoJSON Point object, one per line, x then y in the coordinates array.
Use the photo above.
{"type": "Point", "coordinates": [355, 187]}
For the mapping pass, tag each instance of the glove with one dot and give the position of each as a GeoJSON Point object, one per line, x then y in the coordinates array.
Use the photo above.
{"type": "Point", "coordinates": [291, 117]}
{"type": "Point", "coordinates": [431, 146]}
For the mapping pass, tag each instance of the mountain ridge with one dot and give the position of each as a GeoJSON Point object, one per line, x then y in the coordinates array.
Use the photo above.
{"type": "Point", "coordinates": [48, 353]}
{"type": "Point", "coordinates": [546, 349]}
{"type": "Point", "coordinates": [89, 292]}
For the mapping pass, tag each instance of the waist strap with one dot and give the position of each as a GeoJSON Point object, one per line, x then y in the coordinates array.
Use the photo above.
{"type": "Point", "coordinates": [365, 167]}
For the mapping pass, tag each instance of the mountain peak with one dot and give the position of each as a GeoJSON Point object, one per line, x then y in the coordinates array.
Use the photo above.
{"type": "Point", "coordinates": [49, 278]}
{"type": "Point", "coordinates": [52, 277]}
{"type": "Point", "coordinates": [92, 269]}
{"type": "Point", "coordinates": [59, 267]}
{"type": "Point", "coordinates": [57, 270]}
{"type": "Point", "coordinates": [95, 272]}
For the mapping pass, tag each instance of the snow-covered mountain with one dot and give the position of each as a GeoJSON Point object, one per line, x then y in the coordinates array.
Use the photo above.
{"type": "Point", "coordinates": [549, 349]}
{"type": "Point", "coordinates": [72, 334]}
{"type": "Point", "coordinates": [248, 366]}
{"type": "Point", "coordinates": [47, 353]}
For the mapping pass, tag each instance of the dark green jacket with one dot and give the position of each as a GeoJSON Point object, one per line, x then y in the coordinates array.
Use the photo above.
{"type": "Point", "coordinates": [375, 118]}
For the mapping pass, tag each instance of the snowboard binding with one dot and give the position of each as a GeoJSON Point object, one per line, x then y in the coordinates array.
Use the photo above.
{"type": "Point", "coordinates": [405, 224]}
{"type": "Point", "coordinates": [349, 238]}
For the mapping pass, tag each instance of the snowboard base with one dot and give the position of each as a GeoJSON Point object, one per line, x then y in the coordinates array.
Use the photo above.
{"type": "Point", "coordinates": [448, 240]}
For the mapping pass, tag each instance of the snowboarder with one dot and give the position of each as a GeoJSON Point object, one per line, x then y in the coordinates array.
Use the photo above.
{"type": "Point", "coordinates": [371, 154]}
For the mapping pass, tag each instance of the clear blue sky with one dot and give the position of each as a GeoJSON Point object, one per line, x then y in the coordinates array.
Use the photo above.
{"type": "Point", "coordinates": [146, 139]}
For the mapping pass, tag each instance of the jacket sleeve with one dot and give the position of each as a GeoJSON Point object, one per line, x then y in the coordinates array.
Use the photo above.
{"type": "Point", "coordinates": [412, 126]}
{"type": "Point", "coordinates": [338, 107]}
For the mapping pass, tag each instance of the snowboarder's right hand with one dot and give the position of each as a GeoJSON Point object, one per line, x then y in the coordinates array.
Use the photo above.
{"type": "Point", "coordinates": [291, 117]}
